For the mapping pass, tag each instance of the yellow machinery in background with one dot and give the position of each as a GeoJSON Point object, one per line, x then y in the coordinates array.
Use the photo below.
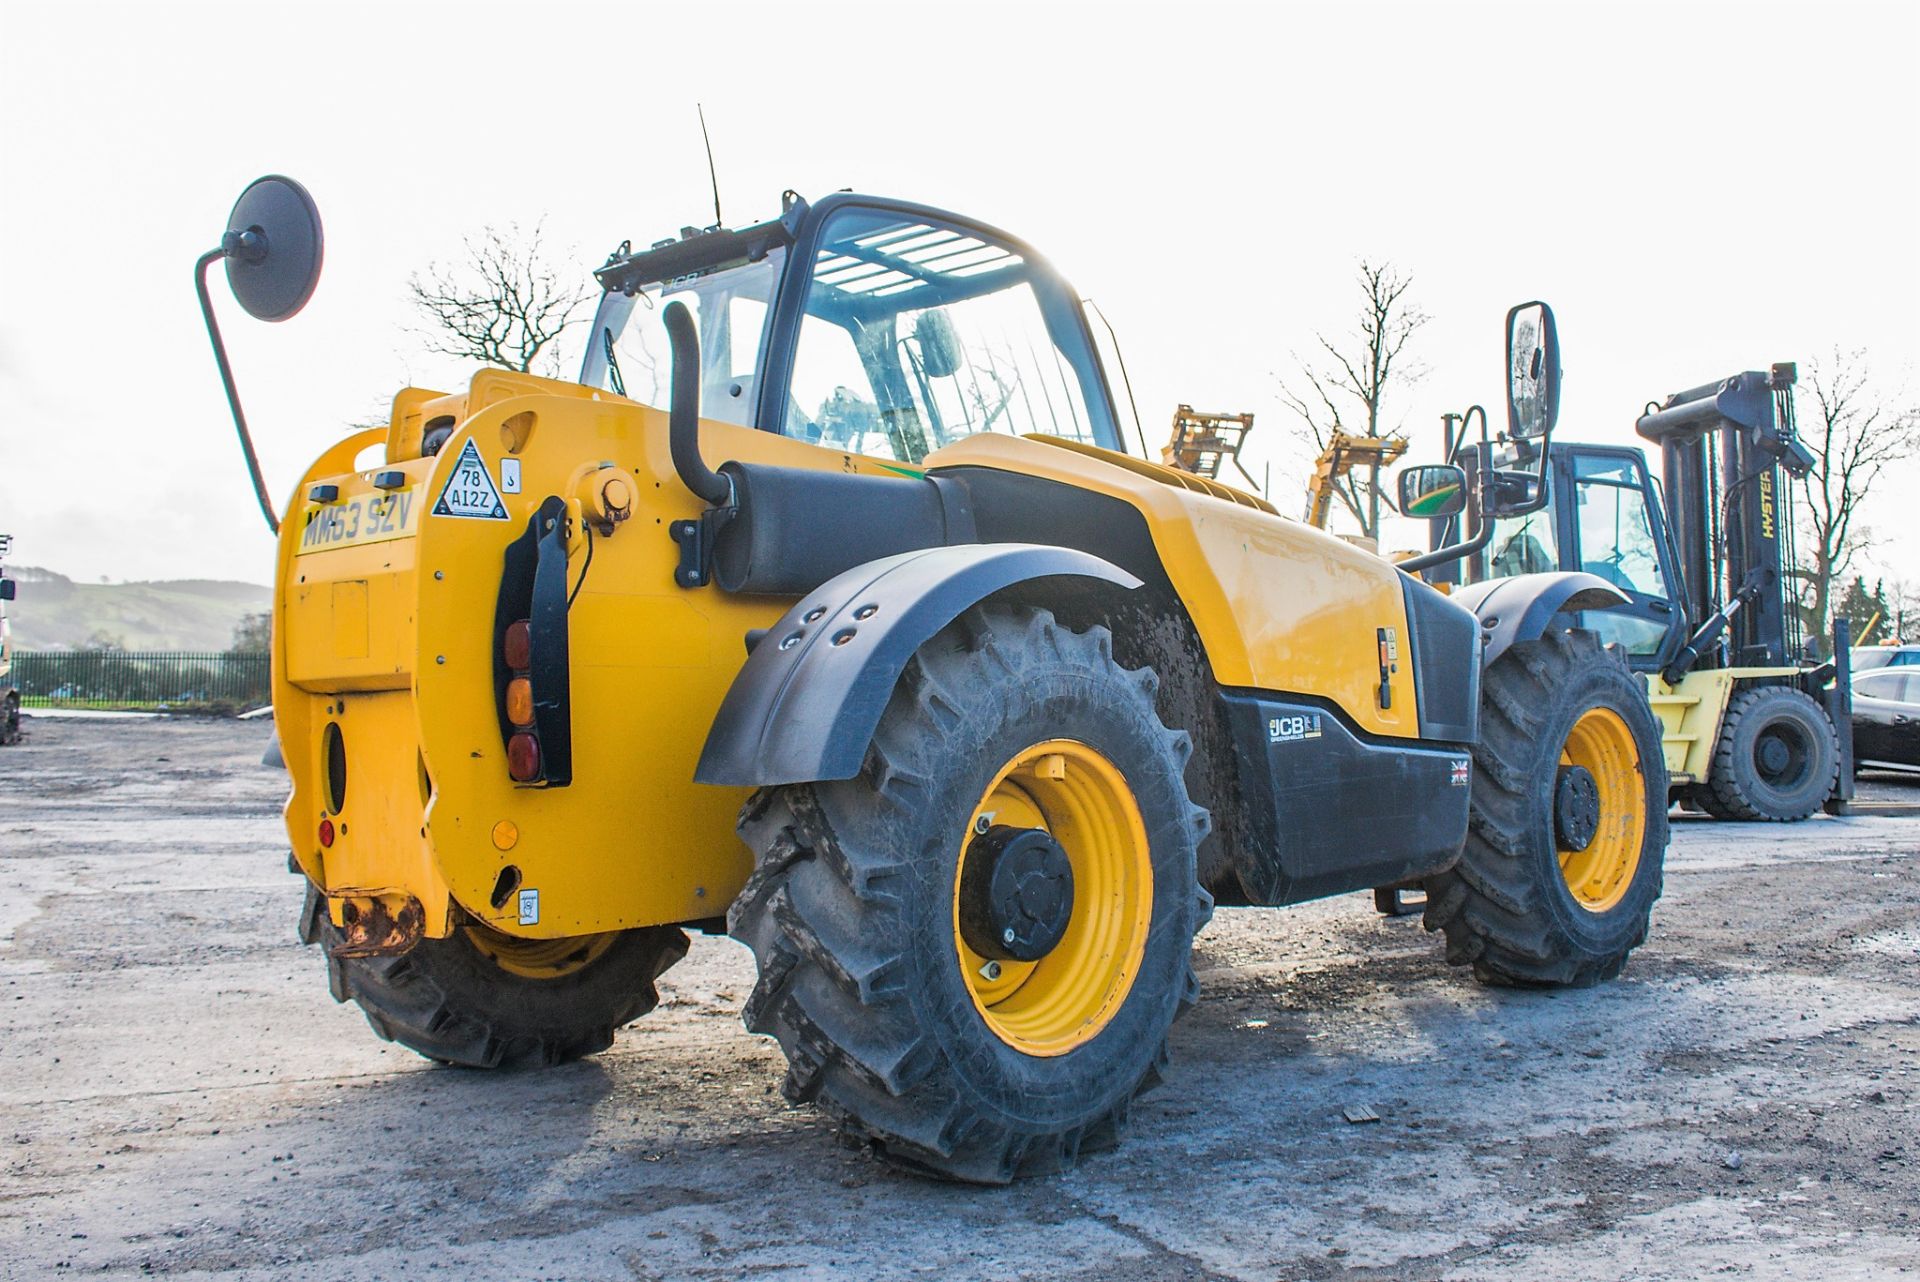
{"type": "Point", "coordinates": [1755, 729]}
{"type": "Point", "coordinates": [958, 716]}
{"type": "Point", "coordinates": [1342, 455]}
{"type": "Point", "coordinates": [1201, 442]}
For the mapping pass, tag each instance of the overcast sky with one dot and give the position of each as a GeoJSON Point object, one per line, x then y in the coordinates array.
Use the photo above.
{"type": "Point", "coordinates": [1697, 189]}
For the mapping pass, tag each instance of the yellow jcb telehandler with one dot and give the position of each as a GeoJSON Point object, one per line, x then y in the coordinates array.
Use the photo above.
{"type": "Point", "coordinates": [826, 609]}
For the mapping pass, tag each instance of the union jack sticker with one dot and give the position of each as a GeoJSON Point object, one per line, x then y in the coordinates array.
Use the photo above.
{"type": "Point", "coordinates": [1462, 771]}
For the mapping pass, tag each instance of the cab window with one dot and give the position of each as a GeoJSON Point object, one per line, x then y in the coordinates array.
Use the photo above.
{"type": "Point", "coordinates": [628, 352]}
{"type": "Point", "coordinates": [915, 335]}
{"type": "Point", "coordinates": [1523, 545]}
{"type": "Point", "coordinates": [1615, 531]}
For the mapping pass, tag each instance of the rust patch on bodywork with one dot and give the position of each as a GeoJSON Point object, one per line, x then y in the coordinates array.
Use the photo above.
{"type": "Point", "coordinates": [378, 925]}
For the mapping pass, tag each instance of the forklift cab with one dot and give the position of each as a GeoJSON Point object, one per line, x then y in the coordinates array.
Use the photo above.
{"type": "Point", "coordinates": [1603, 516]}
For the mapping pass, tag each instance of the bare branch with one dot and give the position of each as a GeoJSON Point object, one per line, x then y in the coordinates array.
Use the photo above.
{"type": "Point", "coordinates": [506, 303]}
{"type": "Point", "coordinates": [1857, 431]}
{"type": "Point", "coordinates": [1351, 378]}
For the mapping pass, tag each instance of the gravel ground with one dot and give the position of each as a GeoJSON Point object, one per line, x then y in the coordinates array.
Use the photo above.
{"type": "Point", "coordinates": [180, 1097]}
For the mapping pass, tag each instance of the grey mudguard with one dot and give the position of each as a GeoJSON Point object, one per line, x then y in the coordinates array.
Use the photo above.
{"type": "Point", "coordinates": [808, 699]}
{"type": "Point", "coordinates": [1522, 607]}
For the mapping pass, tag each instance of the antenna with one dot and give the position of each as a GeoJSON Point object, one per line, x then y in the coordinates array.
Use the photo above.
{"type": "Point", "coordinates": [713, 177]}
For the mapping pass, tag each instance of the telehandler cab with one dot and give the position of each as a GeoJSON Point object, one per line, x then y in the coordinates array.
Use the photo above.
{"type": "Point", "coordinates": [1000, 711]}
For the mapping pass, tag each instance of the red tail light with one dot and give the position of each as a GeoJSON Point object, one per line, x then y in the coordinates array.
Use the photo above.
{"type": "Point", "coordinates": [517, 647]}
{"type": "Point", "coordinates": [523, 758]}
{"type": "Point", "coordinates": [326, 833]}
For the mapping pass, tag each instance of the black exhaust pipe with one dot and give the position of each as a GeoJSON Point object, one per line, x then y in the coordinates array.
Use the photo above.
{"type": "Point", "coordinates": [683, 422]}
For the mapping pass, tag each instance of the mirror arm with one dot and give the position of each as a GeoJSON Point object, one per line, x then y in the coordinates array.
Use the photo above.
{"type": "Point", "coordinates": [1476, 509]}
{"type": "Point", "coordinates": [1482, 535]}
{"type": "Point", "coordinates": [237, 248]}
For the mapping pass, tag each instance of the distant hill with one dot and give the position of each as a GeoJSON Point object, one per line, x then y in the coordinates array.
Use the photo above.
{"type": "Point", "coordinates": [55, 613]}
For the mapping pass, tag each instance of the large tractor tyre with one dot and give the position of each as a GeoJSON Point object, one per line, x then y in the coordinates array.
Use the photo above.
{"type": "Point", "coordinates": [1567, 830]}
{"type": "Point", "coordinates": [972, 953]}
{"type": "Point", "coordinates": [487, 1000]}
{"type": "Point", "coordinates": [1776, 760]}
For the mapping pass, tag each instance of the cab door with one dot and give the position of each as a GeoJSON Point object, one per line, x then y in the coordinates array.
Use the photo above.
{"type": "Point", "coordinates": [1611, 527]}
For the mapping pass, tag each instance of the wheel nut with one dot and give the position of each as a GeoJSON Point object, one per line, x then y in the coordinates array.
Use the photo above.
{"type": "Point", "coordinates": [1006, 936]}
{"type": "Point", "coordinates": [982, 823]}
{"type": "Point", "coordinates": [990, 971]}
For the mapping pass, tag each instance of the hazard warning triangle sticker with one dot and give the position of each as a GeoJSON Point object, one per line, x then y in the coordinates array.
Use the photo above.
{"type": "Point", "coordinates": [469, 490]}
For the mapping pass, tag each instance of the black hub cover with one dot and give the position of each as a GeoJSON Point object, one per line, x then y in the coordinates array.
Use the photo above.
{"type": "Point", "coordinates": [1016, 894]}
{"type": "Point", "coordinates": [1576, 808]}
{"type": "Point", "coordinates": [1774, 755]}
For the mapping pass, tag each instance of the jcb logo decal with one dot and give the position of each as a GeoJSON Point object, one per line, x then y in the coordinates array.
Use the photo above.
{"type": "Point", "coordinates": [1292, 729]}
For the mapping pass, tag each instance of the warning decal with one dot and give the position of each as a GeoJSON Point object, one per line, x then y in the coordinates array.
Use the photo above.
{"type": "Point", "coordinates": [469, 491]}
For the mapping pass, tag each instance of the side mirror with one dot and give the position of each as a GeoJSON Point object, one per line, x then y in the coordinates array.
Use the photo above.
{"type": "Point", "coordinates": [1533, 371]}
{"type": "Point", "coordinates": [1433, 492]}
{"type": "Point", "coordinates": [273, 247]}
{"type": "Point", "coordinates": [6, 589]}
{"type": "Point", "coordinates": [939, 345]}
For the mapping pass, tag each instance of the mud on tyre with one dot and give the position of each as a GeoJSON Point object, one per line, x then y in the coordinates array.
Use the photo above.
{"type": "Point", "coordinates": [1009, 738]}
{"type": "Point", "coordinates": [482, 999]}
{"type": "Point", "coordinates": [1567, 831]}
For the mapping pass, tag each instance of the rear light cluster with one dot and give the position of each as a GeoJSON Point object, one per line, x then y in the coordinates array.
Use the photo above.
{"type": "Point", "coordinates": [523, 745]}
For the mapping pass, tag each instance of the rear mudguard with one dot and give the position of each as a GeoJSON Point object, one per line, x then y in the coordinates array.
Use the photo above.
{"type": "Point", "coordinates": [1522, 608]}
{"type": "Point", "coordinates": [810, 695]}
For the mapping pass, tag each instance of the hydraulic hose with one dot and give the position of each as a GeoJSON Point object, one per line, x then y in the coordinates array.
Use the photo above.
{"type": "Point", "coordinates": [683, 422]}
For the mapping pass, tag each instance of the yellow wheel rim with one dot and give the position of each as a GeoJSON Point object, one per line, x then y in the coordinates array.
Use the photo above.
{"type": "Point", "coordinates": [1062, 1001]}
{"type": "Point", "coordinates": [540, 958]}
{"type": "Point", "coordinates": [1603, 745]}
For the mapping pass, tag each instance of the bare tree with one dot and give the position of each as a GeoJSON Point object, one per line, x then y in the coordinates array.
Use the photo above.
{"type": "Point", "coordinates": [253, 634]}
{"type": "Point", "coordinates": [1855, 430]}
{"type": "Point", "coordinates": [1344, 387]}
{"type": "Point", "coordinates": [507, 303]}
{"type": "Point", "coordinates": [1903, 604]}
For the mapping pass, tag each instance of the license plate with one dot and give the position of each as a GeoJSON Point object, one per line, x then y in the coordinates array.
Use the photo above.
{"type": "Point", "coordinates": [366, 518]}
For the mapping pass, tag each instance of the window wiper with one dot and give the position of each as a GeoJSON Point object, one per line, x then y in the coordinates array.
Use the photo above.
{"type": "Point", "coordinates": [617, 383]}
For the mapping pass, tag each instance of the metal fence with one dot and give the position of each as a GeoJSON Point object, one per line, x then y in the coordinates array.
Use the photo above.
{"type": "Point", "coordinates": [133, 679]}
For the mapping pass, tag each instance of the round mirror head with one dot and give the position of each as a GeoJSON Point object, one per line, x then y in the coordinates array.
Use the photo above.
{"type": "Point", "coordinates": [274, 247]}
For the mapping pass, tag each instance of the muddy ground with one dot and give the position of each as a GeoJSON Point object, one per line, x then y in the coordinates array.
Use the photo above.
{"type": "Point", "coordinates": [180, 1097]}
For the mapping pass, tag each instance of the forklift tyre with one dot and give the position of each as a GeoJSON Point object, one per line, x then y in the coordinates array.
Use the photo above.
{"type": "Point", "coordinates": [1777, 759]}
{"type": "Point", "coordinates": [481, 999]}
{"type": "Point", "coordinates": [1011, 745]}
{"type": "Point", "coordinates": [1567, 832]}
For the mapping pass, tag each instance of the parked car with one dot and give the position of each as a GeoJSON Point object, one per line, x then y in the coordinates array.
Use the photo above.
{"type": "Point", "coordinates": [1886, 717]}
{"type": "Point", "coordinates": [1868, 657]}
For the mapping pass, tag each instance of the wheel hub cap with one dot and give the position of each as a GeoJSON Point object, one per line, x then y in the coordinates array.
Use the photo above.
{"type": "Point", "coordinates": [1576, 808]}
{"type": "Point", "coordinates": [1016, 895]}
{"type": "Point", "coordinates": [1600, 809]}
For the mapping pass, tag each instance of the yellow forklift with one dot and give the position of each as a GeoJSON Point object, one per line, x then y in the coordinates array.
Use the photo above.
{"type": "Point", "coordinates": [1753, 728]}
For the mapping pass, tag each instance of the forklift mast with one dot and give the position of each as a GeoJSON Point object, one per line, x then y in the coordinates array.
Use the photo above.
{"type": "Point", "coordinates": [1728, 513]}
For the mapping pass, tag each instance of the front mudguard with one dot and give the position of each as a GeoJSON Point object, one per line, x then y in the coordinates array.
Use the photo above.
{"type": "Point", "coordinates": [1522, 608]}
{"type": "Point", "coordinates": [811, 693]}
